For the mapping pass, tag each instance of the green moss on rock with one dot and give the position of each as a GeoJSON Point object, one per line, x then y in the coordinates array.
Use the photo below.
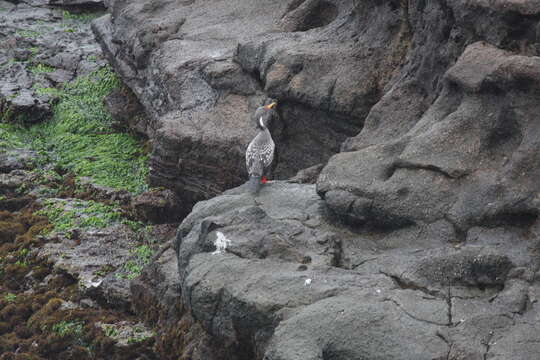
{"type": "Point", "coordinates": [66, 215]}
{"type": "Point", "coordinates": [80, 137]}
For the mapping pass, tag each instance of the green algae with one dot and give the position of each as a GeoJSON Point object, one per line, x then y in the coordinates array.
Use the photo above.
{"type": "Point", "coordinates": [140, 257]}
{"type": "Point", "coordinates": [80, 139]}
{"type": "Point", "coordinates": [82, 214]}
{"type": "Point", "coordinates": [67, 328]}
{"type": "Point", "coordinates": [11, 136]}
{"type": "Point", "coordinates": [40, 69]}
{"type": "Point", "coordinates": [81, 17]}
{"type": "Point", "coordinates": [10, 297]}
{"type": "Point", "coordinates": [29, 34]}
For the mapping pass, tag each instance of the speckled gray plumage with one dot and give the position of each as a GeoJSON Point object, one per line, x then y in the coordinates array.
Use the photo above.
{"type": "Point", "coordinates": [260, 153]}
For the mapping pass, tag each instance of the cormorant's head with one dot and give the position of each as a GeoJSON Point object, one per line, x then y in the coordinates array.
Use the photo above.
{"type": "Point", "coordinates": [263, 115]}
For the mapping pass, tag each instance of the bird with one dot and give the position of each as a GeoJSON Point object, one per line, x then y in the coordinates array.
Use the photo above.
{"type": "Point", "coordinates": [260, 151]}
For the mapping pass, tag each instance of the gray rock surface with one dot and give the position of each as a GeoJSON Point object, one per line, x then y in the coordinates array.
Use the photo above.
{"type": "Point", "coordinates": [17, 159]}
{"type": "Point", "coordinates": [472, 159]}
{"type": "Point", "coordinates": [92, 257]}
{"type": "Point", "coordinates": [274, 277]}
{"type": "Point", "coordinates": [420, 239]}
{"type": "Point", "coordinates": [126, 110]}
{"type": "Point", "coordinates": [201, 68]}
{"type": "Point", "coordinates": [158, 206]}
{"type": "Point", "coordinates": [41, 49]}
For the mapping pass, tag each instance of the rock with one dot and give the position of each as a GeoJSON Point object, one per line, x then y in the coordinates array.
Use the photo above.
{"type": "Point", "coordinates": [126, 110]}
{"type": "Point", "coordinates": [156, 292]}
{"type": "Point", "coordinates": [125, 333]}
{"type": "Point", "coordinates": [60, 76]}
{"type": "Point", "coordinates": [95, 257]}
{"type": "Point", "coordinates": [78, 4]}
{"type": "Point", "coordinates": [422, 235]}
{"type": "Point", "coordinates": [199, 91]}
{"type": "Point", "coordinates": [155, 296]}
{"type": "Point", "coordinates": [100, 192]}
{"type": "Point", "coordinates": [6, 5]}
{"type": "Point", "coordinates": [275, 277]}
{"type": "Point", "coordinates": [307, 176]}
{"type": "Point", "coordinates": [42, 48]}
{"type": "Point", "coordinates": [17, 159]}
{"type": "Point", "coordinates": [10, 182]}
{"type": "Point", "coordinates": [159, 206]}
{"type": "Point", "coordinates": [434, 171]}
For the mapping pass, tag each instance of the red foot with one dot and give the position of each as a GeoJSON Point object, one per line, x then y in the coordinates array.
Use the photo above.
{"type": "Point", "coordinates": [263, 180]}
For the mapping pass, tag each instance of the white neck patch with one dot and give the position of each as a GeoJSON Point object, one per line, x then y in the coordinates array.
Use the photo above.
{"type": "Point", "coordinates": [261, 122]}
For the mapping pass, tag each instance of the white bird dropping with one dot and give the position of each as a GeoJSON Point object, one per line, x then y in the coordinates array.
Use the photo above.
{"type": "Point", "coordinates": [221, 243]}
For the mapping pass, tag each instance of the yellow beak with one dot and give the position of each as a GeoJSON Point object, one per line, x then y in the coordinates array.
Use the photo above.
{"type": "Point", "coordinates": [272, 105]}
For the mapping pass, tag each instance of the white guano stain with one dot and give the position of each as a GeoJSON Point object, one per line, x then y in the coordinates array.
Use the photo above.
{"type": "Point", "coordinates": [221, 243]}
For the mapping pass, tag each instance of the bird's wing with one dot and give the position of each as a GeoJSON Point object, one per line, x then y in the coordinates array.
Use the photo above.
{"type": "Point", "coordinates": [260, 153]}
{"type": "Point", "coordinates": [253, 160]}
{"type": "Point", "coordinates": [267, 154]}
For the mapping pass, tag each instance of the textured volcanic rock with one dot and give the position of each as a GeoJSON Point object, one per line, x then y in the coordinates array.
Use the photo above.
{"type": "Point", "coordinates": [126, 110]}
{"type": "Point", "coordinates": [274, 278]}
{"type": "Point", "coordinates": [471, 159]}
{"type": "Point", "coordinates": [89, 255]}
{"type": "Point", "coordinates": [41, 48]}
{"type": "Point", "coordinates": [200, 69]}
{"type": "Point", "coordinates": [93, 4]}
{"type": "Point", "coordinates": [17, 159]}
{"type": "Point", "coordinates": [439, 257]}
{"type": "Point", "coordinates": [158, 206]}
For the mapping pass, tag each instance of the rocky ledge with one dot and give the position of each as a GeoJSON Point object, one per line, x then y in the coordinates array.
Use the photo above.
{"type": "Point", "coordinates": [277, 277]}
{"type": "Point", "coordinates": [420, 238]}
{"type": "Point", "coordinates": [411, 231]}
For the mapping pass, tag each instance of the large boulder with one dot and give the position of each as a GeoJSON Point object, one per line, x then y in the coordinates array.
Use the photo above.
{"type": "Point", "coordinates": [472, 159]}
{"type": "Point", "coordinates": [201, 68]}
{"type": "Point", "coordinates": [275, 277]}
{"type": "Point", "coordinates": [420, 239]}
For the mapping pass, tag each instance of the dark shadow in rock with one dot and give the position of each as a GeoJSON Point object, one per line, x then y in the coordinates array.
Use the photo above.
{"type": "Point", "coordinates": [307, 15]}
{"type": "Point", "coordinates": [521, 219]}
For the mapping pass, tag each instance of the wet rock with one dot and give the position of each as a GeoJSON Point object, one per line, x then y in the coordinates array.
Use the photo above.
{"type": "Point", "coordinates": [126, 110]}
{"type": "Point", "coordinates": [156, 291]}
{"type": "Point", "coordinates": [100, 192]}
{"type": "Point", "coordinates": [17, 159]}
{"type": "Point", "coordinates": [433, 171]}
{"type": "Point", "coordinates": [90, 256]}
{"type": "Point", "coordinates": [199, 102]}
{"type": "Point", "coordinates": [60, 76]}
{"type": "Point", "coordinates": [42, 48]}
{"type": "Point", "coordinates": [125, 333]}
{"type": "Point", "coordinates": [10, 182]}
{"type": "Point", "coordinates": [263, 276]}
{"type": "Point", "coordinates": [159, 206]}
{"type": "Point", "coordinates": [78, 4]}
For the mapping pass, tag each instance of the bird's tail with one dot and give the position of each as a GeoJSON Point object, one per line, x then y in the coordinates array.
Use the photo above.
{"type": "Point", "coordinates": [254, 184]}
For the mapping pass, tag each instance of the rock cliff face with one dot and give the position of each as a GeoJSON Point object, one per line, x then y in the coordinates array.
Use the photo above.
{"type": "Point", "coordinates": [421, 237]}
{"type": "Point", "coordinates": [200, 69]}
{"type": "Point", "coordinates": [276, 278]}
